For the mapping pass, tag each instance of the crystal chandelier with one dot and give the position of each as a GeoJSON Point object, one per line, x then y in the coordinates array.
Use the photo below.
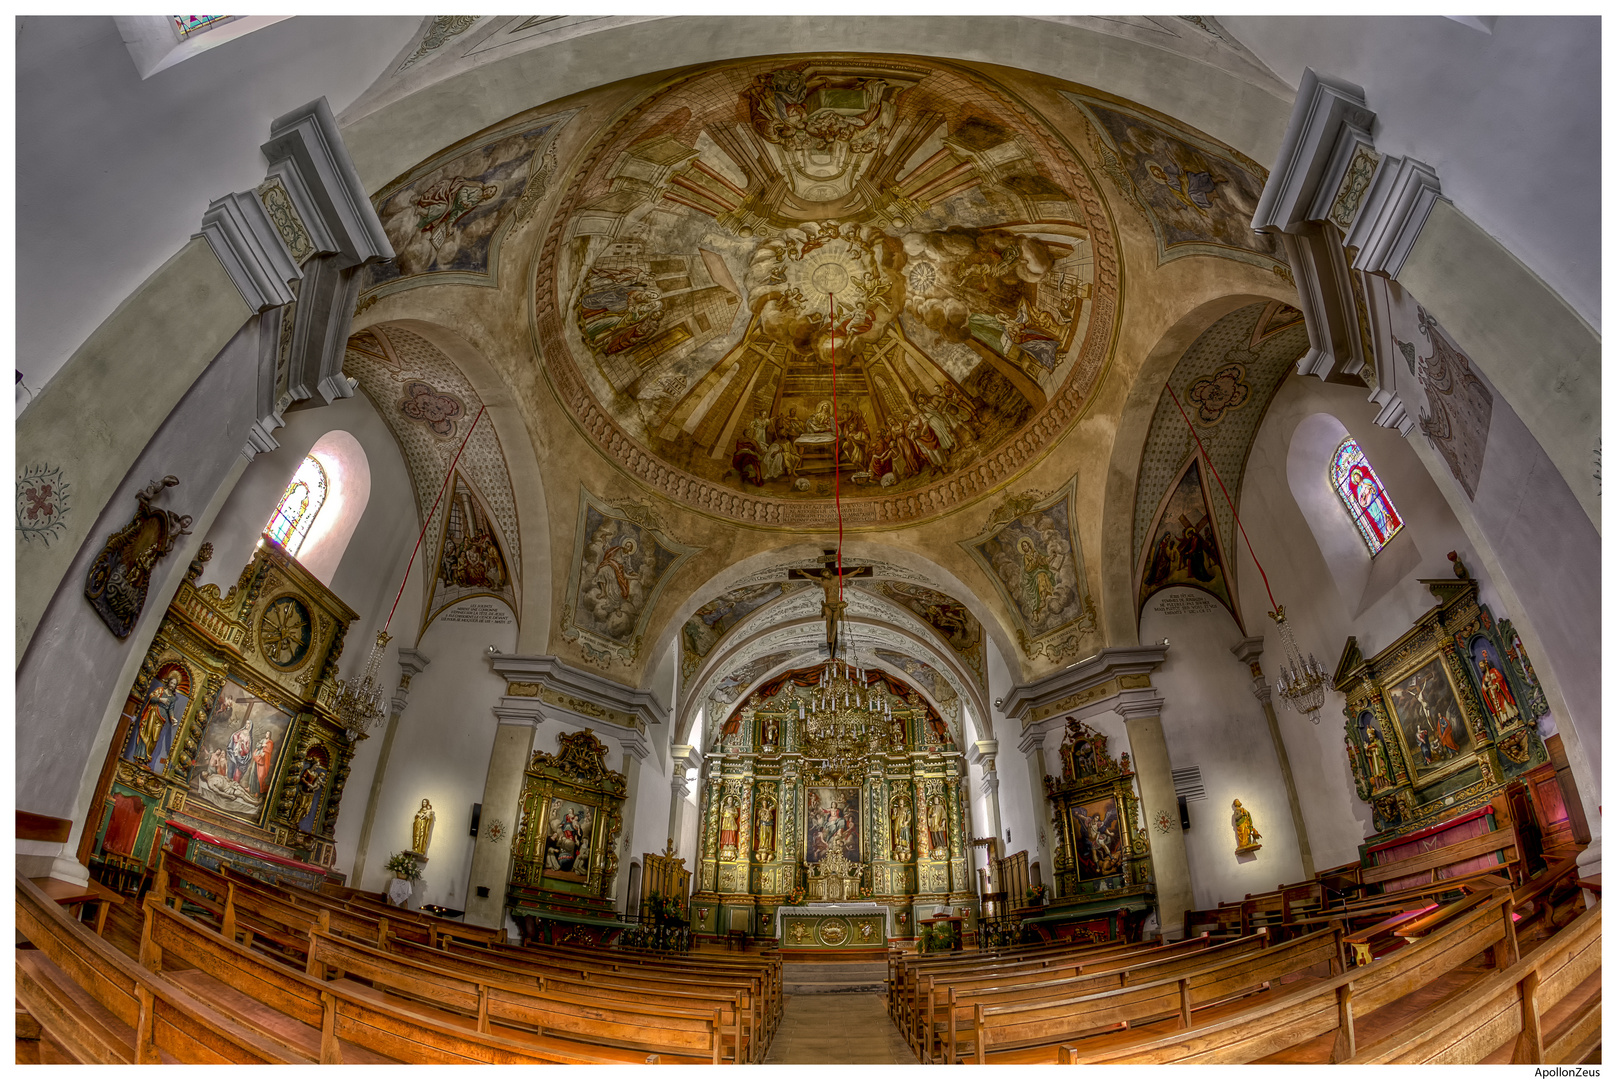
{"type": "Point", "coordinates": [844, 718]}
{"type": "Point", "coordinates": [1301, 684]}
{"type": "Point", "coordinates": [360, 706]}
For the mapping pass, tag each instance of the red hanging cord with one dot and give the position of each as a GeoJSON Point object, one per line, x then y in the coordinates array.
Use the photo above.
{"type": "Point", "coordinates": [427, 522]}
{"type": "Point", "coordinates": [836, 444]}
{"type": "Point", "coordinates": [1234, 513]}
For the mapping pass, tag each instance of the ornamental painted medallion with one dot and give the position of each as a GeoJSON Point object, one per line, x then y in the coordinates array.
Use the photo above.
{"type": "Point", "coordinates": [769, 273]}
{"type": "Point", "coordinates": [284, 632]}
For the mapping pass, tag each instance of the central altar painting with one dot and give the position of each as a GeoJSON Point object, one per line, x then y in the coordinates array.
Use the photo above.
{"type": "Point", "coordinates": [862, 802]}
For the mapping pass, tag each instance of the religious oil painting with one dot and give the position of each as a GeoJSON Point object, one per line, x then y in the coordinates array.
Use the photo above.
{"type": "Point", "coordinates": [158, 721]}
{"type": "Point", "coordinates": [443, 219]}
{"type": "Point", "coordinates": [568, 840]}
{"type": "Point", "coordinates": [471, 558]}
{"type": "Point", "coordinates": [1097, 834]}
{"type": "Point", "coordinates": [1497, 697]}
{"type": "Point", "coordinates": [620, 566]}
{"type": "Point", "coordinates": [1036, 563]}
{"type": "Point", "coordinates": [237, 762]}
{"type": "Point", "coordinates": [1429, 718]}
{"type": "Point", "coordinates": [1200, 196]}
{"type": "Point", "coordinates": [765, 283]}
{"type": "Point", "coordinates": [832, 823]}
{"type": "Point", "coordinates": [1184, 549]}
{"type": "Point", "coordinates": [720, 615]}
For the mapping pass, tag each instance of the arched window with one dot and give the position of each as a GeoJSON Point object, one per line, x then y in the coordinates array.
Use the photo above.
{"type": "Point", "coordinates": [1360, 490]}
{"type": "Point", "coordinates": [304, 495]}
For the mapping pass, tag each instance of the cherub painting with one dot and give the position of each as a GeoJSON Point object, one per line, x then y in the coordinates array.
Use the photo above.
{"type": "Point", "coordinates": [1036, 562]}
{"type": "Point", "coordinates": [618, 569]}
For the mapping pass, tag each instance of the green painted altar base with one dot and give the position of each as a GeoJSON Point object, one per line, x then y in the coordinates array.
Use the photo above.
{"type": "Point", "coordinates": [834, 926]}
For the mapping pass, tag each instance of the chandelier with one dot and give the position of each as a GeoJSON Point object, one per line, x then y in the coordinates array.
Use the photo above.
{"type": "Point", "coordinates": [360, 706]}
{"type": "Point", "coordinates": [843, 717]}
{"type": "Point", "coordinates": [1301, 683]}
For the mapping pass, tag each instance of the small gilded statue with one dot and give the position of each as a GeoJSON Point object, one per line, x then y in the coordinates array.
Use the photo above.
{"type": "Point", "coordinates": [1246, 837]}
{"type": "Point", "coordinates": [421, 828]}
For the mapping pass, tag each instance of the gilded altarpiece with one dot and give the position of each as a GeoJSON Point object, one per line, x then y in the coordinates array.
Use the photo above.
{"type": "Point", "coordinates": [1102, 852]}
{"type": "Point", "coordinates": [228, 748]}
{"type": "Point", "coordinates": [565, 852]}
{"type": "Point", "coordinates": [1441, 719]}
{"type": "Point", "coordinates": [782, 825]}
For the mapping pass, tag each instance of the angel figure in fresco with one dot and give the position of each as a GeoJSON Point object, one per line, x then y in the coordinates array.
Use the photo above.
{"type": "Point", "coordinates": [1038, 577]}
{"type": "Point", "coordinates": [443, 204]}
{"type": "Point", "coordinates": [1496, 692]}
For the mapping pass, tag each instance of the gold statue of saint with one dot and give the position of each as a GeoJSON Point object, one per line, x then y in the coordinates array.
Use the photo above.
{"type": "Point", "coordinates": [421, 828]}
{"type": "Point", "coordinates": [1246, 836]}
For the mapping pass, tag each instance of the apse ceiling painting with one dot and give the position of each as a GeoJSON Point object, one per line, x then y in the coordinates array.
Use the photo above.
{"type": "Point", "coordinates": [754, 247]}
{"type": "Point", "coordinates": [952, 620]}
{"type": "Point", "coordinates": [720, 615]}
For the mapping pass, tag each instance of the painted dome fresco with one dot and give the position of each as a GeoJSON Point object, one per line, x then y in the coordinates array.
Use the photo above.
{"type": "Point", "coordinates": [777, 283]}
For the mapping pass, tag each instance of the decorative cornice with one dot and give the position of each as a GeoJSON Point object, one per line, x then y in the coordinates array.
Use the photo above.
{"type": "Point", "coordinates": [570, 689]}
{"type": "Point", "coordinates": [307, 139]}
{"type": "Point", "coordinates": [518, 711]}
{"type": "Point", "coordinates": [981, 749]}
{"type": "Point", "coordinates": [1391, 215]}
{"type": "Point", "coordinates": [251, 250]}
{"type": "Point", "coordinates": [1049, 693]}
{"type": "Point", "coordinates": [1325, 110]}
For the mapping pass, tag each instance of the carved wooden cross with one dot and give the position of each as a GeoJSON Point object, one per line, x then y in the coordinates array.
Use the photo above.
{"type": "Point", "coordinates": [830, 577]}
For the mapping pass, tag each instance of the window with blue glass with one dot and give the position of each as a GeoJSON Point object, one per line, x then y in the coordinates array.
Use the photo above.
{"type": "Point", "coordinates": [187, 25]}
{"type": "Point", "coordinates": [1361, 491]}
{"type": "Point", "coordinates": [289, 525]}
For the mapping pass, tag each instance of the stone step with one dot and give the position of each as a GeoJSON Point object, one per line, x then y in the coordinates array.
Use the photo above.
{"type": "Point", "coordinates": [833, 978]}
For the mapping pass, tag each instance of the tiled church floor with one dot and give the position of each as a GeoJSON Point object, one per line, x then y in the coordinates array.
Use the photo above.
{"type": "Point", "coordinates": [837, 1029]}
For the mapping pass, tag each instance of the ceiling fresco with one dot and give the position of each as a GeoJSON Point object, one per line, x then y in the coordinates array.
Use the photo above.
{"type": "Point", "coordinates": [753, 253]}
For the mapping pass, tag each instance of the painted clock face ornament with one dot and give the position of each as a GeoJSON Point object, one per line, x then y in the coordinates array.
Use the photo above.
{"type": "Point", "coordinates": [284, 632]}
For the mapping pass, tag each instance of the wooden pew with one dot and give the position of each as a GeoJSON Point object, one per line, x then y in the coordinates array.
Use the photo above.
{"type": "Point", "coordinates": [327, 1021]}
{"type": "Point", "coordinates": [733, 1005]}
{"type": "Point", "coordinates": [1033, 1032]}
{"type": "Point", "coordinates": [98, 1005]}
{"type": "Point", "coordinates": [946, 1002]}
{"type": "Point", "coordinates": [1299, 1013]}
{"type": "Point", "coordinates": [767, 968]}
{"type": "Point", "coordinates": [249, 894]}
{"type": "Point", "coordinates": [1222, 920]}
{"type": "Point", "coordinates": [1508, 1010]}
{"type": "Point", "coordinates": [679, 1036]}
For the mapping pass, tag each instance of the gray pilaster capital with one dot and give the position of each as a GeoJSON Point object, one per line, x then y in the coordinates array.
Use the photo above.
{"type": "Point", "coordinates": [680, 786]}
{"type": "Point", "coordinates": [1138, 704]}
{"type": "Point", "coordinates": [306, 142]}
{"type": "Point", "coordinates": [1325, 110]}
{"type": "Point", "coordinates": [250, 249]}
{"type": "Point", "coordinates": [411, 663]}
{"type": "Point", "coordinates": [1392, 213]}
{"type": "Point", "coordinates": [982, 749]}
{"type": "Point", "coordinates": [522, 711]}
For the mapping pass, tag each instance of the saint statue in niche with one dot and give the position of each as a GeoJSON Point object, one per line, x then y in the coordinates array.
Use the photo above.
{"type": "Point", "coordinates": [421, 827]}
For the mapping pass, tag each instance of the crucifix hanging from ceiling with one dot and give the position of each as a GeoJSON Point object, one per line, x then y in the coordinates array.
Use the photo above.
{"type": "Point", "coordinates": [830, 576]}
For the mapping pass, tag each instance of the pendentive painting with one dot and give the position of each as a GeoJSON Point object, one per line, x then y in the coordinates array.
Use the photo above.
{"type": "Point", "coordinates": [1035, 561]}
{"type": "Point", "coordinates": [158, 719]}
{"type": "Point", "coordinates": [833, 823]}
{"type": "Point", "coordinates": [1429, 718]}
{"type": "Point", "coordinates": [1184, 549]}
{"type": "Point", "coordinates": [569, 831]}
{"type": "Point", "coordinates": [619, 568]}
{"type": "Point", "coordinates": [238, 756]}
{"type": "Point", "coordinates": [471, 559]}
{"type": "Point", "coordinates": [1097, 838]}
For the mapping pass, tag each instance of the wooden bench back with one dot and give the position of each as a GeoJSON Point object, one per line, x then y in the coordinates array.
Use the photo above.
{"type": "Point", "coordinates": [1432, 863]}
{"type": "Point", "coordinates": [163, 1019]}
{"type": "Point", "coordinates": [407, 1035]}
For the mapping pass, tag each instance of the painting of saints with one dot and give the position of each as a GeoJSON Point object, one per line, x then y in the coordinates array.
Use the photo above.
{"type": "Point", "coordinates": [1038, 579]}
{"type": "Point", "coordinates": [833, 823]}
{"type": "Point", "coordinates": [1425, 700]}
{"type": "Point", "coordinates": [567, 847]}
{"type": "Point", "coordinates": [620, 308]}
{"type": "Point", "coordinates": [236, 758]}
{"type": "Point", "coordinates": [443, 204]}
{"type": "Point", "coordinates": [159, 718]}
{"type": "Point", "coordinates": [1096, 840]}
{"type": "Point", "coordinates": [263, 757]}
{"type": "Point", "coordinates": [1496, 695]}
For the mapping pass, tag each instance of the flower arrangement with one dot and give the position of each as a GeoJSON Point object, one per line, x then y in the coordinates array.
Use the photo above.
{"type": "Point", "coordinates": [797, 894]}
{"type": "Point", "coordinates": [1035, 894]}
{"type": "Point", "coordinates": [404, 865]}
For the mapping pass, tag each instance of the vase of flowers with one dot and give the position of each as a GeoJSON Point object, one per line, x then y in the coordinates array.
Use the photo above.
{"type": "Point", "coordinates": [404, 866]}
{"type": "Point", "coordinates": [1035, 895]}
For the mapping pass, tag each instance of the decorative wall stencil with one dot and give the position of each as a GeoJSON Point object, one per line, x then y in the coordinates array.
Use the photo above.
{"type": "Point", "coordinates": [388, 359]}
{"type": "Point", "coordinates": [737, 227]}
{"type": "Point", "coordinates": [446, 217]}
{"type": "Point", "coordinates": [716, 618]}
{"type": "Point", "coordinates": [438, 411]}
{"type": "Point", "coordinates": [1198, 194]}
{"type": "Point", "coordinates": [619, 568]}
{"type": "Point", "coordinates": [1266, 339]}
{"type": "Point", "coordinates": [1037, 564]}
{"type": "Point", "coordinates": [442, 29]}
{"type": "Point", "coordinates": [117, 582]}
{"type": "Point", "coordinates": [42, 503]}
{"type": "Point", "coordinates": [943, 613]}
{"type": "Point", "coordinates": [1459, 407]}
{"type": "Point", "coordinates": [284, 216]}
{"type": "Point", "coordinates": [1219, 392]}
{"type": "Point", "coordinates": [470, 560]}
{"type": "Point", "coordinates": [1185, 549]}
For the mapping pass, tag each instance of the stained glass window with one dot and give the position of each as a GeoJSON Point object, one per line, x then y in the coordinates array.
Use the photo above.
{"type": "Point", "coordinates": [304, 496]}
{"type": "Point", "coordinates": [1361, 491]}
{"type": "Point", "coordinates": [186, 25]}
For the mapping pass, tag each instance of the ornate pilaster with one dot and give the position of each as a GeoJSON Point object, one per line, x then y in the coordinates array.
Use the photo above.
{"type": "Point", "coordinates": [502, 795]}
{"type": "Point", "coordinates": [1249, 651]}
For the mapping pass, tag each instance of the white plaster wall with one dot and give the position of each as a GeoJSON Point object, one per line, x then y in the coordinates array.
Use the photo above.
{"type": "Point", "coordinates": [650, 799]}
{"type": "Point", "coordinates": [348, 489]}
{"type": "Point", "coordinates": [440, 752]}
{"type": "Point", "coordinates": [1211, 719]}
{"type": "Point", "coordinates": [1321, 618]}
{"type": "Point", "coordinates": [183, 137]}
{"type": "Point", "coordinates": [1488, 111]}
